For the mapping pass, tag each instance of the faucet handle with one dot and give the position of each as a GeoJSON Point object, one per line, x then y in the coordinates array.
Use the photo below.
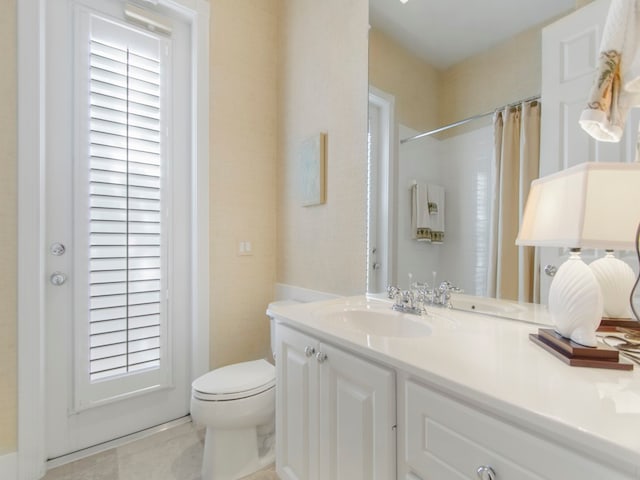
{"type": "Point", "coordinates": [449, 287]}
{"type": "Point", "coordinates": [392, 291]}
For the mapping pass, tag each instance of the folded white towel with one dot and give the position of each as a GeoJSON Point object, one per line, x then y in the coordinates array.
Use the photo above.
{"type": "Point", "coordinates": [420, 219]}
{"type": "Point", "coordinates": [436, 212]}
{"type": "Point", "coordinates": [617, 84]}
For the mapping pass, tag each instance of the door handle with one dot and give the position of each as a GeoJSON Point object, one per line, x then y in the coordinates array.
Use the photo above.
{"type": "Point", "coordinates": [550, 270]}
{"type": "Point", "coordinates": [57, 249]}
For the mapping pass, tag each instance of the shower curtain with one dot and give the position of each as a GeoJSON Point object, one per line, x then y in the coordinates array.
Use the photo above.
{"type": "Point", "coordinates": [513, 272]}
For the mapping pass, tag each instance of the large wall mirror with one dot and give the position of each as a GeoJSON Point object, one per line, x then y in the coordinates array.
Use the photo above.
{"type": "Point", "coordinates": [433, 64]}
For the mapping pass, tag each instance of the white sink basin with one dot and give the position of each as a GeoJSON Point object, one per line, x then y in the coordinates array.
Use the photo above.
{"type": "Point", "coordinates": [382, 323]}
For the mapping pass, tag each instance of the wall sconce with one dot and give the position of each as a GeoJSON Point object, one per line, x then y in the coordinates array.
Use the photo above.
{"type": "Point", "coordinates": [591, 205]}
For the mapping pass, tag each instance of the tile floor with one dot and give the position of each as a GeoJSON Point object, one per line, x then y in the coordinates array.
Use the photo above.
{"type": "Point", "coordinates": [174, 454]}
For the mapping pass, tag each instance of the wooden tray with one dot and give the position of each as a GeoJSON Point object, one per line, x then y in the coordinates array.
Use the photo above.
{"type": "Point", "coordinates": [577, 355]}
{"type": "Point", "coordinates": [610, 324]}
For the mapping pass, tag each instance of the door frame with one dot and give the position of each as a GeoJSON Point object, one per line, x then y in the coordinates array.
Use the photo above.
{"type": "Point", "coordinates": [31, 61]}
{"type": "Point", "coordinates": [387, 171]}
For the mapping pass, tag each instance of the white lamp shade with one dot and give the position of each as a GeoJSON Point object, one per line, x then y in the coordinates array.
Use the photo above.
{"type": "Point", "coordinates": [591, 205]}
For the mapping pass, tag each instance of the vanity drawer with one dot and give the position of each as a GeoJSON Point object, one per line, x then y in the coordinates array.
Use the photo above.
{"type": "Point", "coordinates": [447, 440]}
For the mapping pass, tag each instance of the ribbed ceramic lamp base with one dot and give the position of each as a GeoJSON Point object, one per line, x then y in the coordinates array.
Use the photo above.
{"type": "Point", "coordinates": [616, 280]}
{"type": "Point", "coordinates": [575, 302]}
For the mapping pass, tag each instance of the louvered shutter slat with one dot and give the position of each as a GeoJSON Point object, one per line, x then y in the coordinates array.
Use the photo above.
{"type": "Point", "coordinates": [116, 325]}
{"type": "Point", "coordinates": [106, 277]}
{"type": "Point", "coordinates": [144, 332]}
{"type": "Point", "coordinates": [144, 321]}
{"type": "Point", "coordinates": [144, 356]}
{"type": "Point", "coordinates": [112, 288]}
{"type": "Point", "coordinates": [152, 171]}
{"type": "Point", "coordinates": [107, 114]}
{"type": "Point", "coordinates": [144, 274]}
{"type": "Point", "coordinates": [143, 122]}
{"type": "Point", "coordinates": [145, 309]}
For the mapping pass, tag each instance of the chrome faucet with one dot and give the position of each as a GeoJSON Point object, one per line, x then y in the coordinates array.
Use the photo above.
{"type": "Point", "coordinates": [418, 297]}
{"type": "Point", "coordinates": [444, 294]}
{"type": "Point", "coordinates": [406, 301]}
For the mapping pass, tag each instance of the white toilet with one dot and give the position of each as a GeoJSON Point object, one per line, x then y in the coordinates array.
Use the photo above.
{"type": "Point", "coordinates": [237, 405]}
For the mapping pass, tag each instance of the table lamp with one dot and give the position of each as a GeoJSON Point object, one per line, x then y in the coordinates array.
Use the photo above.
{"type": "Point", "coordinates": [591, 205]}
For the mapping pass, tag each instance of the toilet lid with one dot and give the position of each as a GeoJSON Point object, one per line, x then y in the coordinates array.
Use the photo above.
{"type": "Point", "coordinates": [235, 381]}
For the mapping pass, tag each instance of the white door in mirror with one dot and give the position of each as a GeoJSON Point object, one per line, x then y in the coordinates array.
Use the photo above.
{"type": "Point", "coordinates": [569, 47]}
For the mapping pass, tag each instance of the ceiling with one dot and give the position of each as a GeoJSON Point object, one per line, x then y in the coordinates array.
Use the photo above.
{"type": "Point", "coordinates": [444, 32]}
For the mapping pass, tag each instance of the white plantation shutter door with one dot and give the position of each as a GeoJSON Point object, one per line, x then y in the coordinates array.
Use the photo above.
{"type": "Point", "coordinates": [122, 202]}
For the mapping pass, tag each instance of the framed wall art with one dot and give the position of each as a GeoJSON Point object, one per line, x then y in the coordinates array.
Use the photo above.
{"type": "Point", "coordinates": [313, 164]}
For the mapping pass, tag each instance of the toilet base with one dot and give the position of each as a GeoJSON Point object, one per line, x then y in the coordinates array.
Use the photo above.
{"type": "Point", "coordinates": [235, 453]}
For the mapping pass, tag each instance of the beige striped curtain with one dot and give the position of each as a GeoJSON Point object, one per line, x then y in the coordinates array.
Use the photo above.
{"type": "Point", "coordinates": [513, 271]}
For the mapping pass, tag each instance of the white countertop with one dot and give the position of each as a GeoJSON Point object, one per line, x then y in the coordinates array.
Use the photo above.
{"type": "Point", "coordinates": [491, 363]}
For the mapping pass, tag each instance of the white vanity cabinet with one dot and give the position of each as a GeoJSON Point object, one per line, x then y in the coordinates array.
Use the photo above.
{"type": "Point", "coordinates": [472, 396]}
{"type": "Point", "coordinates": [444, 439]}
{"type": "Point", "coordinates": [335, 412]}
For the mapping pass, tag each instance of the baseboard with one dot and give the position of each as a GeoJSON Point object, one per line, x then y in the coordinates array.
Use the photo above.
{"type": "Point", "coordinates": [300, 294]}
{"type": "Point", "coordinates": [118, 442]}
{"type": "Point", "coordinates": [9, 466]}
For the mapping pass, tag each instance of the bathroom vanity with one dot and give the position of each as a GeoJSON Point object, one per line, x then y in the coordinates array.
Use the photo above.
{"type": "Point", "coordinates": [364, 392]}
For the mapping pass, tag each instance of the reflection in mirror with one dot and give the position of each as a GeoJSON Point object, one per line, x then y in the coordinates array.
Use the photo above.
{"type": "Point", "coordinates": [429, 80]}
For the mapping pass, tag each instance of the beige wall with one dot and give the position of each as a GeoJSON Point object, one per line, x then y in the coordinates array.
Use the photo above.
{"type": "Point", "coordinates": [244, 130]}
{"type": "Point", "coordinates": [428, 98]}
{"type": "Point", "coordinates": [8, 227]}
{"type": "Point", "coordinates": [413, 82]}
{"type": "Point", "coordinates": [508, 72]}
{"type": "Point", "coordinates": [323, 89]}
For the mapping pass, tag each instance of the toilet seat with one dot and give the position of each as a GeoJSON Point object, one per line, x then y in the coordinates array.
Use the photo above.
{"type": "Point", "coordinates": [233, 382]}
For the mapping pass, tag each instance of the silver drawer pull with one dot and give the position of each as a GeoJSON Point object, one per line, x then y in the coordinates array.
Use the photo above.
{"type": "Point", "coordinates": [486, 473]}
{"type": "Point", "coordinates": [321, 357]}
{"type": "Point", "coordinates": [309, 350]}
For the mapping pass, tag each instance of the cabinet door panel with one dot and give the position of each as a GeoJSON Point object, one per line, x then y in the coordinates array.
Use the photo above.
{"type": "Point", "coordinates": [296, 406]}
{"type": "Point", "coordinates": [357, 418]}
{"type": "Point", "coordinates": [447, 440]}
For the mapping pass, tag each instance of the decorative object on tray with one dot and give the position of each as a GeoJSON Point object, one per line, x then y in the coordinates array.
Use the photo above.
{"type": "Point", "coordinates": [590, 205]}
